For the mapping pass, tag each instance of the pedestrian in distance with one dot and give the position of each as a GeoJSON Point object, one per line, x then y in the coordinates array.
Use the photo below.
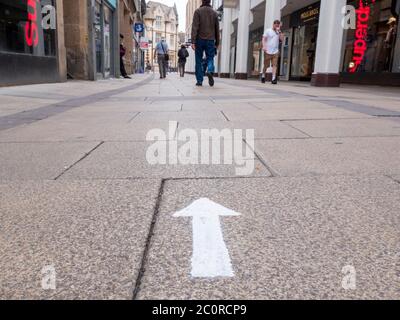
{"type": "Point", "coordinates": [122, 53]}
{"type": "Point", "coordinates": [161, 51]}
{"type": "Point", "coordinates": [183, 54]}
{"type": "Point", "coordinates": [271, 41]}
{"type": "Point", "coordinates": [148, 67]}
{"type": "Point", "coordinates": [205, 38]}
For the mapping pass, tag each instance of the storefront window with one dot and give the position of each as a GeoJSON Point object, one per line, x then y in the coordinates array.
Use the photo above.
{"type": "Point", "coordinates": [305, 24]}
{"type": "Point", "coordinates": [107, 40]}
{"type": "Point", "coordinates": [304, 48]}
{"type": "Point", "coordinates": [98, 35]}
{"type": "Point", "coordinates": [371, 46]}
{"type": "Point", "coordinates": [256, 64]}
{"type": "Point", "coordinates": [103, 27]}
{"type": "Point", "coordinates": [21, 29]}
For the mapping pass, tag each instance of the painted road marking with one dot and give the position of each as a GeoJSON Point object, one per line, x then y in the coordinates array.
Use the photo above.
{"type": "Point", "coordinates": [210, 255]}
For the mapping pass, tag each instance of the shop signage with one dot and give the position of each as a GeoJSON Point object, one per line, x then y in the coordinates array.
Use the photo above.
{"type": "Point", "coordinates": [144, 43]}
{"type": "Point", "coordinates": [308, 15]}
{"type": "Point", "coordinates": [139, 27]}
{"type": "Point", "coordinates": [31, 26]}
{"type": "Point", "coordinates": [363, 14]}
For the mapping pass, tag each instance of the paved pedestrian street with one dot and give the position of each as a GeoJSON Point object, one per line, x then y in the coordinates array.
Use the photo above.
{"type": "Point", "coordinates": [311, 210]}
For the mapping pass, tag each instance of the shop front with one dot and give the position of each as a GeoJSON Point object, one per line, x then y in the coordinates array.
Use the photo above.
{"type": "Point", "coordinates": [29, 42]}
{"type": "Point", "coordinates": [372, 49]}
{"type": "Point", "coordinates": [104, 38]}
{"type": "Point", "coordinates": [256, 52]}
{"type": "Point", "coordinates": [299, 47]}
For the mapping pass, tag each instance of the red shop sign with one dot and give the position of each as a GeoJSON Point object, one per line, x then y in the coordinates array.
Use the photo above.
{"type": "Point", "coordinates": [360, 43]}
{"type": "Point", "coordinates": [31, 27]}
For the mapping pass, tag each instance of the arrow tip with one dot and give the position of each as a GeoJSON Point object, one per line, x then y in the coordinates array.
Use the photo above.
{"type": "Point", "coordinates": [205, 207]}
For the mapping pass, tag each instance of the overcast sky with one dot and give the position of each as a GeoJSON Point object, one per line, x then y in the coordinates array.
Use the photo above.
{"type": "Point", "coordinates": [181, 5]}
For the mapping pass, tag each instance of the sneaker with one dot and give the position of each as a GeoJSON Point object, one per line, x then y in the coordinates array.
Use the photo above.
{"type": "Point", "coordinates": [199, 84]}
{"type": "Point", "coordinates": [127, 77]}
{"type": "Point", "coordinates": [262, 80]}
{"type": "Point", "coordinates": [210, 79]}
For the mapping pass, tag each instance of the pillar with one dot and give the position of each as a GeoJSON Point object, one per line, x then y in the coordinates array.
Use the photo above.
{"type": "Point", "coordinates": [62, 52]}
{"type": "Point", "coordinates": [272, 12]}
{"type": "Point", "coordinates": [242, 45]}
{"type": "Point", "coordinates": [226, 43]}
{"type": "Point", "coordinates": [329, 44]}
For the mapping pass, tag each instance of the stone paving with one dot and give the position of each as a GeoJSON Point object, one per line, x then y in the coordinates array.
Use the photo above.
{"type": "Point", "coordinates": [78, 194]}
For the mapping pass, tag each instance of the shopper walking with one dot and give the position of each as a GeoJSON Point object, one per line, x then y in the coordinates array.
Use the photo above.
{"type": "Point", "coordinates": [271, 41]}
{"type": "Point", "coordinates": [183, 54]}
{"type": "Point", "coordinates": [122, 52]}
{"type": "Point", "coordinates": [161, 52]}
{"type": "Point", "coordinates": [205, 37]}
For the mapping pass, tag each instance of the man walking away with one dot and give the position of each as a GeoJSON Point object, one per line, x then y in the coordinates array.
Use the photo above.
{"type": "Point", "coordinates": [183, 54]}
{"type": "Point", "coordinates": [122, 52]}
{"type": "Point", "coordinates": [205, 37]}
{"type": "Point", "coordinates": [162, 57]}
{"type": "Point", "coordinates": [271, 40]}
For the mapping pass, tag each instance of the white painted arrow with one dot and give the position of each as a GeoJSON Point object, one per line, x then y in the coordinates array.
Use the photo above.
{"type": "Point", "coordinates": [210, 256]}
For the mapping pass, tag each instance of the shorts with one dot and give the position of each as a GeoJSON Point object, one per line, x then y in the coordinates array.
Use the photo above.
{"type": "Point", "coordinates": [270, 58]}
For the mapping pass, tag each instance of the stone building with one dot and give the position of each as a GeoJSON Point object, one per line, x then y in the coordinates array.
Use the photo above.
{"type": "Point", "coordinates": [162, 21]}
{"type": "Point", "coordinates": [191, 7]}
{"type": "Point", "coordinates": [92, 36]}
{"type": "Point", "coordinates": [131, 12]}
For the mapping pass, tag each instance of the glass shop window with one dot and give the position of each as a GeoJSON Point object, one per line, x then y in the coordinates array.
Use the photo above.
{"type": "Point", "coordinates": [371, 46]}
{"type": "Point", "coordinates": [25, 29]}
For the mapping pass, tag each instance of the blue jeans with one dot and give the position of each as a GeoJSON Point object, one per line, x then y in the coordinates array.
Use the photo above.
{"type": "Point", "coordinates": [207, 46]}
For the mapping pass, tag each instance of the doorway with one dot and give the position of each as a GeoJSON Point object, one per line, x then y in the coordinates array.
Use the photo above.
{"type": "Point", "coordinates": [103, 31]}
{"type": "Point", "coordinates": [284, 70]}
{"type": "Point", "coordinates": [303, 52]}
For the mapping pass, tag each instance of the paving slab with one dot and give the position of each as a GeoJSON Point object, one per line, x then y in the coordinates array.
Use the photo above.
{"type": "Point", "coordinates": [389, 104]}
{"type": "Point", "coordinates": [13, 104]}
{"type": "Point", "coordinates": [347, 127]}
{"type": "Point", "coordinates": [294, 114]}
{"type": "Point", "coordinates": [357, 106]}
{"type": "Point", "coordinates": [122, 160]}
{"type": "Point", "coordinates": [243, 106]}
{"type": "Point", "coordinates": [331, 156]}
{"type": "Point", "coordinates": [290, 105]}
{"type": "Point", "coordinates": [180, 116]}
{"type": "Point", "coordinates": [89, 118]}
{"type": "Point", "coordinates": [396, 178]}
{"type": "Point", "coordinates": [25, 161]}
{"type": "Point", "coordinates": [92, 233]}
{"type": "Point", "coordinates": [292, 240]}
{"type": "Point", "coordinates": [55, 130]}
{"type": "Point", "coordinates": [262, 129]}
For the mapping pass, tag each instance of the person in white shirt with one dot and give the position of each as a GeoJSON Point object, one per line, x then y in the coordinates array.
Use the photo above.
{"type": "Point", "coordinates": [271, 42]}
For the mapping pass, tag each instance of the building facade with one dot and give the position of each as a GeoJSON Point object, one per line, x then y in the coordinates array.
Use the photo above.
{"type": "Point", "coordinates": [92, 38]}
{"type": "Point", "coordinates": [131, 12]}
{"type": "Point", "coordinates": [50, 40]}
{"type": "Point", "coordinates": [326, 42]}
{"type": "Point", "coordinates": [191, 7]}
{"type": "Point", "coordinates": [162, 21]}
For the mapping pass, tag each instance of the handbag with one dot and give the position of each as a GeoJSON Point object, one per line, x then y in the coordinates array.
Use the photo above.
{"type": "Point", "coordinates": [166, 55]}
